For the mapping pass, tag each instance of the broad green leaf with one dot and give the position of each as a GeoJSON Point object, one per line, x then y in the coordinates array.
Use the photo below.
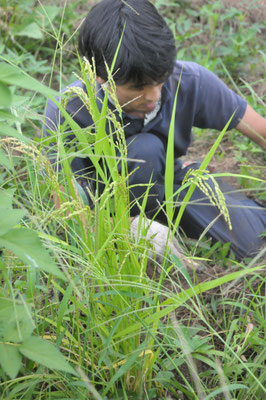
{"type": "Point", "coordinates": [47, 13]}
{"type": "Point", "coordinates": [12, 75]}
{"type": "Point", "coordinates": [31, 30]}
{"type": "Point", "coordinates": [4, 160]}
{"type": "Point", "coordinates": [10, 359]}
{"type": "Point", "coordinates": [19, 100]}
{"type": "Point", "coordinates": [45, 353]}
{"type": "Point", "coordinates": [6, 197]}
{"type": "Point", "coordinates": [16, 323]}
{"type": "Point", "coordinates": [5, 311]}
{"type": "Point", "coordinates": [26, 245]}
{"type": "Point", "coordinates": [4, 304]}
{"type": "Point", "coordinates": [9, 217]}
{"type": "Point", "coordinates": [5, 96]}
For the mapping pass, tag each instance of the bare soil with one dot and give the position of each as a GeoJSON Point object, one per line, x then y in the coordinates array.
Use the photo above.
{"type": "Point", "coordinates": [255, 10]}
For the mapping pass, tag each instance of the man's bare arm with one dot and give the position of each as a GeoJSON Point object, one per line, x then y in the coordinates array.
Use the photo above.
{"type": "Point", "coordinates": [253, 126]}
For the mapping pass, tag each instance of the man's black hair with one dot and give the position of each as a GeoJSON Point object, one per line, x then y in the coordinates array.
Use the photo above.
{"type": "Point", "coordinates": [147, 53]}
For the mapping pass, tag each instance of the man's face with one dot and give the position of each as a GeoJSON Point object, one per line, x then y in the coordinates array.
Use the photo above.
{"type": "Point", "coordinates": [138, 101]}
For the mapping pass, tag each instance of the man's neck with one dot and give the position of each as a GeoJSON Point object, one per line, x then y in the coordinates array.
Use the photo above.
{"type": "Point", "coordinates": [137, 114]}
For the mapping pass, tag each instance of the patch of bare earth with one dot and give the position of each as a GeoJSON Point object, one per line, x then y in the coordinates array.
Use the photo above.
{"type": "Point", "coordinates": [255, 10]}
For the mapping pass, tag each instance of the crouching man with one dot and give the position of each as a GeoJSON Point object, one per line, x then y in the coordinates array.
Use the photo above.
{"type": "Point", "coordinates": [146, 74]}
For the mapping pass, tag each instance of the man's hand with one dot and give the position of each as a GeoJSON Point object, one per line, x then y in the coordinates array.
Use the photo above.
{"type": "Point", "coordinates": [56, 197]}
{"type": "Point", "coordinates": [253, 126]}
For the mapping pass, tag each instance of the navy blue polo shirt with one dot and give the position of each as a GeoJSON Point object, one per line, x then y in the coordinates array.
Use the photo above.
{"type": "Point", "coordinates": [203, 101]}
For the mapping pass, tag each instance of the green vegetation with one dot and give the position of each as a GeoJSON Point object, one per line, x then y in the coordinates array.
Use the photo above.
{"type": "Point", "coordinates": [84, 312]}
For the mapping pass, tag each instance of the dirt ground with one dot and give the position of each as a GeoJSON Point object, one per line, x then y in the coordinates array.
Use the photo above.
{"type": "Point", "coordinates": [254, 9]}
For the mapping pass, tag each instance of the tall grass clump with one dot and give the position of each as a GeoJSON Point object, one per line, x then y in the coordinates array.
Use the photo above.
{"type": "Point", "coordinates": [74, 277]}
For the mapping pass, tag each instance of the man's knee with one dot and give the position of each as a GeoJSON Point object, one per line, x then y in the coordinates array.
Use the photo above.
{"type": "Point", "coordinates": [146, 158]}
{"type": "Point", "coordinates": [147, 147]}
{"type": "Point", "coordinates": [146, 165]}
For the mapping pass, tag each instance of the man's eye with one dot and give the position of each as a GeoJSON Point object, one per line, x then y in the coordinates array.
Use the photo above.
{"type": "Point", "coordinates": [139, 88]}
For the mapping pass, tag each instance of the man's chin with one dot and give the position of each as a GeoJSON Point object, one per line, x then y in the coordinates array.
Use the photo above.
{"type": "Point", "coordinates": [143, 110]}
{"type": "Point", "coordinates": [149, 107]}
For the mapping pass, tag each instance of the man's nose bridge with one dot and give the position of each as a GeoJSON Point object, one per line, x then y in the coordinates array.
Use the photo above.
{"type": "Point", "coordinates": [152, 93]}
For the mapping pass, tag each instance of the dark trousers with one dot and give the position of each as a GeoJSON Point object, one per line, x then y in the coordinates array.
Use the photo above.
{"type": "Point", "coordinates": [247, 217]}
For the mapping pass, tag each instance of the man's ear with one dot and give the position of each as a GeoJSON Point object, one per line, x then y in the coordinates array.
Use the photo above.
{"type": "Point", "coordinates": [100, 80]}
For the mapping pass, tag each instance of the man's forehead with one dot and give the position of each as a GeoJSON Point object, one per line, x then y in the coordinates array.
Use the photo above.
{"type": "Point", "coordinates": [146, 82]}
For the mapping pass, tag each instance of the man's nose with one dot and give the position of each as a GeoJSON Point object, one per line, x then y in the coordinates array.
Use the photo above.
{"type": "Point", "coordinates": [152, 93]}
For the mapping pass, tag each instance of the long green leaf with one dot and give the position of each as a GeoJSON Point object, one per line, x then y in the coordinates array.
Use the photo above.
{"type": "Point", "coordinates": [227, 388]}
{"type": "Point", "coordinates": [169, 169]}
{"type": "Point", "coordinates": [46, 354]}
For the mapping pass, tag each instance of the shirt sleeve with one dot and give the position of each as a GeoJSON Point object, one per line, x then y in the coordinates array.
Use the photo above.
{"type": "Point", "coordinates": [216, 103]}
{"type": "Point", "coordinates": [52, 122]}
{"type": "Point", "coordinates": [53, 119]}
